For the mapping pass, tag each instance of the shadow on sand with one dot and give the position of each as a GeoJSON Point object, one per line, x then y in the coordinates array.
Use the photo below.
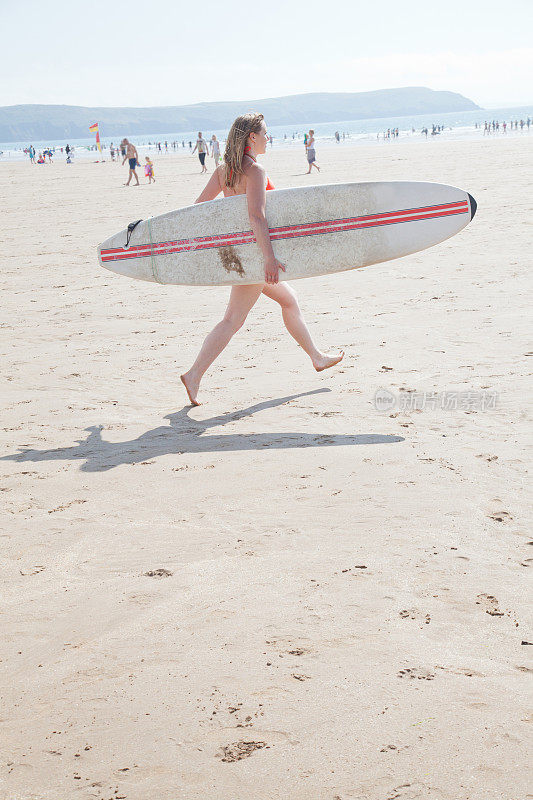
{"type": "Point", "coordinates": [185, 435]}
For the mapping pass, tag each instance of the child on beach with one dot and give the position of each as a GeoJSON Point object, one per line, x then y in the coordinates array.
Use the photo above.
{"type": "Point", "coordinates": [149, 170]}
{"type": "Point", "coordinates": [241, 174]}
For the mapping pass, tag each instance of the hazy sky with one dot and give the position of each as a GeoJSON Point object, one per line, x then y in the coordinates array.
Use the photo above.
{"type": "Point", "coordinates": [170, 52]}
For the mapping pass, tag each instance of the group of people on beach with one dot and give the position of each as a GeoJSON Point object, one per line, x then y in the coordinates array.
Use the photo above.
{"type": "Point", "coordinates": [129, 151]}
{"type": "Point", "coordinates": [212, 148]}
{"type": "Point", "coordinates": [203, 147]}
{"type": "Point", "coordinates": [514, 124]}
{"type": "Point", "coordinates": [40, 158]}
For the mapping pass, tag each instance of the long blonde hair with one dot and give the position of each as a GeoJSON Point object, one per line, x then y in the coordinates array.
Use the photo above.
{"type": "Point", "coordinates": [235, 144]}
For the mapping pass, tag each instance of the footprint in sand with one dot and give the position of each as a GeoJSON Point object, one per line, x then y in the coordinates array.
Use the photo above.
{"type": "Point", "coordinates": [33, 570]}
{"type": "Point", "coordinates": [66, 505]}
{"type": "Point", "coordinates": [239, 750]}
{"type": "Point", "coordinates": [402, 791]}
{"type": "Point", "coordinates": [355, 567]}
{"type": "Point", "coordinates": [158, 573]}
{"type": "Point", "coordinates": [500, 516]}
{"type": "Point", "coordinates": [412, 613]}
{"type": "Point", "coordinates": [393, 747]}
{"type": "Point", "coordinates": [280, 643]}
{"type": "Point", "coordinates": [298, 651]}
{"type": "Point", "coordinates": [416, 673]}
{"type": "Point", "coordinates": [489, 604]}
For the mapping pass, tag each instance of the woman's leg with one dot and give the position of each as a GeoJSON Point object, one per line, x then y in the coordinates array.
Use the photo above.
{"type": "Point", "coordinates": [295, 324]}
{"type": "Point", "coordinates": [242, 299]}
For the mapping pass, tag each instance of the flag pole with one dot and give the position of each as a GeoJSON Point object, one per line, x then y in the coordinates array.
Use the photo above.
{"type": "Point", "coordinates": [95, 129]}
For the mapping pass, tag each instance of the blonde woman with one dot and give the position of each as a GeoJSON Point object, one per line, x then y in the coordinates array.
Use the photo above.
{"type": "Point", "coordinates": [215, 149]}
{"type": "Point", "coordinates": [240, 173]}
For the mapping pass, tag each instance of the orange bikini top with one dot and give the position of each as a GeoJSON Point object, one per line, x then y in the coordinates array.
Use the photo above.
{"type": "Point", "coordinates": [247, 152]}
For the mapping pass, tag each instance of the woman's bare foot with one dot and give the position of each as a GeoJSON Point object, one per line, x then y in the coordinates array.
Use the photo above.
{"type": "Point", "coordinates": [192, 387]}
{"type": "Point", "coordinates": [325, 361]}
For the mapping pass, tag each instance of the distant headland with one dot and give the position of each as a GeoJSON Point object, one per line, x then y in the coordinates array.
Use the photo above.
{"type": "Point", "coordinates": [39, 122]}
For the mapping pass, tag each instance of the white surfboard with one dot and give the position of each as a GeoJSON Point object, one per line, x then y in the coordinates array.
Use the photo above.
{"type": "Point", "coordinates": [314, 230]}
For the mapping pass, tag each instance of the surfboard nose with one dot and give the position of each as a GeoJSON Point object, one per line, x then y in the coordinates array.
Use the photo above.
{"type": "Point", "coordinates": [473, 207]}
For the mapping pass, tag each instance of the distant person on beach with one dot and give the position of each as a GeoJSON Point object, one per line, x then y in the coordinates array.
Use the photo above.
{"type": "Point", "coordinates": [201, 146]}
{"type": "Point", "coordinates": [31, 152]}
{"type": "Point", "coordinates": [149, 170]}
{"type": "Point", "coordinates": [240, 174]}
{"type": "Point", "coordinates": [133, 160]}
{"type": "Point", "coordinates": [215, 149]}
{"type": "Point", "coordinates": [311, 154]}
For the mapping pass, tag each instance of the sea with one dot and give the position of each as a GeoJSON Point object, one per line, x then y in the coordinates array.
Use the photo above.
{"type": "Point", "coordinates": [455, 125]}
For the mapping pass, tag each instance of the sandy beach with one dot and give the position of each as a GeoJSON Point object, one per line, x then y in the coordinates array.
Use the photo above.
{"type": "Point", "coordinates": [285, 593]}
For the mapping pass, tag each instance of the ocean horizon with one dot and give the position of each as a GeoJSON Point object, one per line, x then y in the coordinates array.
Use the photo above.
{"type": "Point", "coordinates": [456, 124]}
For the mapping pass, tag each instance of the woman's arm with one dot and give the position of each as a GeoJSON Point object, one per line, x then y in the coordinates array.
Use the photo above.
{"type": "Point", "coordinates": [256, 197]}
{"type": "Point", "coordinates": [212, 189]}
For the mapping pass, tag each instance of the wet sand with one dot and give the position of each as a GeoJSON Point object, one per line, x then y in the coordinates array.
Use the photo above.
{"type": "Point", "coordinates": [283, 593]}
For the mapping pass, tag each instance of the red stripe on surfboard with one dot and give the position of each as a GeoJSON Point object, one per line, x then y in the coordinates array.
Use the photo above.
{"type": "Point", "coordinates": [208, 245]}
{"type": "Point", "coordinates": [222, 236]}
{"type": "Point", "coordinates": [310, 229]}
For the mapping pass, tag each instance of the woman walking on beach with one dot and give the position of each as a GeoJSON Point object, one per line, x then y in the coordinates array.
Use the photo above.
{"type": "Point", "coordinates": [311, 155]}
{"type": "Point", "coordinates": [215, 149]}
{"type": "Point", "coordinates": [241, 174]}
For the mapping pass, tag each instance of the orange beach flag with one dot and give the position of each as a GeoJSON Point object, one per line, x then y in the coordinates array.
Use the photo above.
{"type": "Point", "coordinates": [94, 129]}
